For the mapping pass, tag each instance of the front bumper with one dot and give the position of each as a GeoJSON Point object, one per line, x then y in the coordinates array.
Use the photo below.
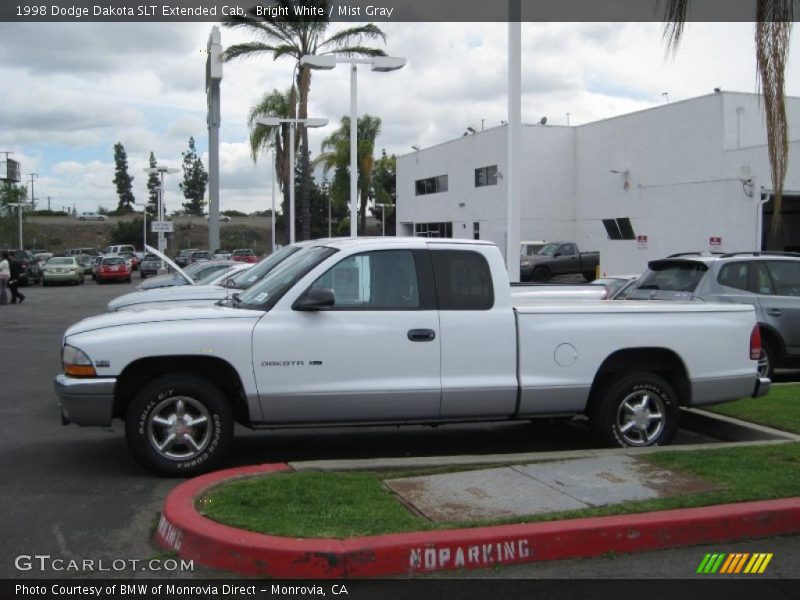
{"type": "Point", "coordinates": [762, 387]}
{"type": "Point", "coordinates": [85, 401]}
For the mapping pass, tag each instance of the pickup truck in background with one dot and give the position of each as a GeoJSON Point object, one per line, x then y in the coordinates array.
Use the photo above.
{"type": "Point", "coordinates": [396, 331]}
{"type": "Point", "coordinates": [559, 258]}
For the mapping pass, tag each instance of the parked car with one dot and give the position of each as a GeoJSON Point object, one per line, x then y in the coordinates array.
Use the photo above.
{"type": "Point", "coordinates": [95, 264]}
{"type": "Point", "coordinates": [182, 259]}
{"type": "Point", "coordinates": [191, 294]}
{"type": "Point", "coordinates": [77, 251]}
{"type": "Point", "coordinates": [199, 255]}
{"type": "Point", "coordinates": [559, 258]}
{"type": "Point", "coordinates": [31, 271]}
{"type": "Point", "coordinates": [119, 249]}
{"type": "Point", "coordinates": [281, 355]}
{"type": "Point", "coordinates": [91, 216]}
{"type": "Point", "coordinates": [222, 218]}
{"type": "Point", "coordinates": [131, 258]}
{"type": "Point", "coordinates": [768, 281]}
{"type": "Point", "coordinates": [244, 255]}
{"type": "Point", "coordinates": [41, 258]}
{"type": "Point", "coordinates": [85, 261]}
{"type": "Point", "coordinates": [63, 269]}
{"type": "Point", "coordinates": [188, 275]}
{"type": "Point", "coordinates": [616, 285]}
{"type": "Point", "coordinates": [221, 255]}
{"type": "Point", "coordinates": [113, 268]}
{"type": "Point", "coordinates": [531, 248]}
{"type": "Point", "coordinates": [150, 265]}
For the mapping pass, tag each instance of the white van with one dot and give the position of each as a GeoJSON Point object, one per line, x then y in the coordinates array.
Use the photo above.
{"type": "Point", "coordinates": [118, 249]}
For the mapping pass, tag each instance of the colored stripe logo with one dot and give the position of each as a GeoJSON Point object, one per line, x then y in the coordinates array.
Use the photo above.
{"type": "Point", "coordinates": [736, 563]}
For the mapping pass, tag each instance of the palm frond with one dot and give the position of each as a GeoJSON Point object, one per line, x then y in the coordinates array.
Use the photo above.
{"type": "Point", "coordinates": [245, 49]}
{"type": "Point", "coordinates": [772, 37]}
{"type": "Point", "coordinates": [356, 35]}
{"type": "Point", "coordinates": [675, 12]}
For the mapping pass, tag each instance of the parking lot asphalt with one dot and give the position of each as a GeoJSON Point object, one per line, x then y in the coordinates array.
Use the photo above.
{"type": "Point", "coordinates": [76, 493]}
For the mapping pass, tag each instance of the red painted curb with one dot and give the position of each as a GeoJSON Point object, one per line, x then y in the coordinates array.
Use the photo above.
{"type": "Point", "coordinates": [192, 536]}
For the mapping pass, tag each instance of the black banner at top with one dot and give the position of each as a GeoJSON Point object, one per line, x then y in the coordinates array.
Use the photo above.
{"type": "Point", "coordinates": [397, 11]}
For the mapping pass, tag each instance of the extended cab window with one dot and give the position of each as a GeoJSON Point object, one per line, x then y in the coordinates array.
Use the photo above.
{"type": "Point", "coordinates": [463, 280]}
{"type": "Point", "coordinates": [381, 280]}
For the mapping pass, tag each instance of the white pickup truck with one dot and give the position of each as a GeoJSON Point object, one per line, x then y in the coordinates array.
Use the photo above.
{"type": "Point", "coordinates": [397, 331]}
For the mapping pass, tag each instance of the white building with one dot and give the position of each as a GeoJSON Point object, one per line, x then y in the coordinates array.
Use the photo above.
{"type": "Point", "coordinates": [679, 177]}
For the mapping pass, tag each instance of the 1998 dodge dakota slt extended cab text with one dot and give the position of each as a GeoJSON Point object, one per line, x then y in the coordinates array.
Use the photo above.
{"type": "Point", "coordinates": [397, 330]}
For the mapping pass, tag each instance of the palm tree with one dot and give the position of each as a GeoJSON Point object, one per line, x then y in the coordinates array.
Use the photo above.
{"type": "Point", "coordinates": [773, 31]}
{"type": "Point", "coordinates": [294, 37]}
{"type": "Point", "coordinates": [335, 152]}
{"type": "Point", "coordinates": [264, 138]}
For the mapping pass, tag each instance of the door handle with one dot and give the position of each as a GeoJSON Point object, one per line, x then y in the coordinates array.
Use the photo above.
{"type": "Point", "coordinates": [774, 312]}
{"type": "Point", "coordinates": [421, 335]}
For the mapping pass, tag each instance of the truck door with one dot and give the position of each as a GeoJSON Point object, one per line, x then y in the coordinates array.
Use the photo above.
{"type": "Point", "coordinates": [566, 260]}
{"type": "Point", "coordinates": [478, 335]}
{"type": "Point", "coordinates": [372, 356]}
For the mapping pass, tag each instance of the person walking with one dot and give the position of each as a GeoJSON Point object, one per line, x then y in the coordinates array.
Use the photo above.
{"type": "Point", "coordinates": [5, 274]}
{"type": "Point", "coordinates": [13, 283]}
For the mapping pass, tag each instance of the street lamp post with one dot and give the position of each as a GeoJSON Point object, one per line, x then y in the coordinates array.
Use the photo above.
{"type": "Point", "coordinates": [160, 171]}
{"type": "Point", "coordinates": [378, 63]}
{"type": "Point", "coordinates": [20, 206]}
{"type": "Point", "coordinates": [274, 122]}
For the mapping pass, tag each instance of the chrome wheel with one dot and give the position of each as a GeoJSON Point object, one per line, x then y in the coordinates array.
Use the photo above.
{"type": "Point", "coordinates": [640, 418]}
{"type": "Point", "coordinates": [764, 364]}
{"type": "Point", "coordinates": [179, 428]}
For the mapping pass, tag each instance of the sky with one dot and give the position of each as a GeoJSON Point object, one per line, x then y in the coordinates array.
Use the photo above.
{"type": "Point", "coordinates": [70, 91]}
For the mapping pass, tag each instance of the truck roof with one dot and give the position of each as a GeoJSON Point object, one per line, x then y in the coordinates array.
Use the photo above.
{"type": "Point", "coordinates": [378, 241]}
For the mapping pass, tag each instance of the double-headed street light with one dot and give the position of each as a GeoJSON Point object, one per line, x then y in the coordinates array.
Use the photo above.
{"type": "Point", "coordinates": [274, 122]}
{"type": "Point", "coordinates": [378, 63]}
{"type": "Point", "coordinates": [160, 171]}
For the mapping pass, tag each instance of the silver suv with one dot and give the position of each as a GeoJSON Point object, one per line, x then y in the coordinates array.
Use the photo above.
{"type": "Point", "coordinates": [770, 281]}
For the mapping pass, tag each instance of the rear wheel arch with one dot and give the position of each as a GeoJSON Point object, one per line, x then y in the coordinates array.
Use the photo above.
{"type": "Point", "coordinates": [660, 361]}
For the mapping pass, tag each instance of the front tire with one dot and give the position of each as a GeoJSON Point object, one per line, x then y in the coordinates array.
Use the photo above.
{"type": "Point", "coordinates": [636, 410]}
{"type": "Point", "coordinates": [179, 426]}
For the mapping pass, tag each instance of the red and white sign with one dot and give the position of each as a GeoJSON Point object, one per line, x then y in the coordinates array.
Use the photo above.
{"type": "Point", "coordinates": [715, 242]}
{"type": "Point", "coordinates": [641, 241]}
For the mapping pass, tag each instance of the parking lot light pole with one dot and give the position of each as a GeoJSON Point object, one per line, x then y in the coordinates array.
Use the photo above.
{"type": "Point", "coordinates": [20, 206]}
{"type": "Point", "coordinates": [383, 216]}
{"type": "Point", "coordinates": [378, 63]}
{"type": "Point", "coordinates": [274, 122]}
{"type": "Point", "coordinates": [160, 171]}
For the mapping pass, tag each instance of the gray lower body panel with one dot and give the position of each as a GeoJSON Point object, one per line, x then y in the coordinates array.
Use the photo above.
{"type": "Point", "coordinates": [554, 400]}
{"type": "Point", "coordinates": [714, 391]}
{"type": "Point", "coordinates": [85, 401]}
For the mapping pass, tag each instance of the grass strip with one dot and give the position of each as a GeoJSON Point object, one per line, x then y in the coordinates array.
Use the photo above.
{"type": "Point", "coordinates": [340, 505]}
{"type": "Point", "coordinates": [779, 409]}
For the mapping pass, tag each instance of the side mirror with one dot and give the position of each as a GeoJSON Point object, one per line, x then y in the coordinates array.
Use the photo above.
{"type": "Point", "coordinates": [230, 284]}
{"type": "Point", "coordinates": [557, 254]}
{"type": "Point", "coordinates": [315, 299]}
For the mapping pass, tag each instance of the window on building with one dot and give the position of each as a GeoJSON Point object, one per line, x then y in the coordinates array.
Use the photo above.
{"type": "Point", "coordinates": [619, 229]}
{"type": "Point", "coordinates": [431, 185]}
{"type": "Point", "coordinates": [434, 230]}
{"type": "Point", "coordinates": [486, 176]}
{"type": "Point", "coordinates": [463, 280]}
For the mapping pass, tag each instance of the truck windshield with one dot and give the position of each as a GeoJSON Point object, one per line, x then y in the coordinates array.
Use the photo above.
{"type": "Point", "coordinates": [243, 281]}
{"type": "Point", "coordinates": [266, 293]}
{"type": "Point", "coordinates": [548, 249]}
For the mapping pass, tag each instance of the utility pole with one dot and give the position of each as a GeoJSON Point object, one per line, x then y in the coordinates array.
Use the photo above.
{"type": "Point", "coordinates": [33, 197]}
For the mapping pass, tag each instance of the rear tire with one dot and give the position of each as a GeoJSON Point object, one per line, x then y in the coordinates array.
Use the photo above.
{"type": "Point", "coordinates": [540, 274]}
{"type": "Point", "coordinates": [635, 410]}
{"type": "Point", "coordinates": [179, 425]}
{"type": "Point", "coordinates": [766, 361]}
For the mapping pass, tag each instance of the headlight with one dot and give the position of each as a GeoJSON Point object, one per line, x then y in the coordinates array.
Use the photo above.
{"type": "Point", "coordinates": [525, 263]}
{"type": "Point", "coordinates": [76, 363]}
